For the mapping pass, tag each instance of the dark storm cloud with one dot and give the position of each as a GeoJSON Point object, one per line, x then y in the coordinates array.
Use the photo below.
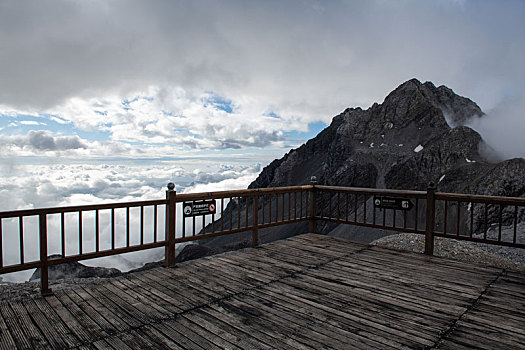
{"type": "Point", "coordinates": [43, 141]}
{"type": "Point", "coordinates": [53, 49]}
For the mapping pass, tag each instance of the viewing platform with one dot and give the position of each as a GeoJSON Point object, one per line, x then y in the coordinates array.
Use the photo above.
{"type": "Point", "coordinates": [306, 292]}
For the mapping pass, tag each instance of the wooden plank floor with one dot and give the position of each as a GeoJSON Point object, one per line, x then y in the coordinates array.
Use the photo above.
{"type": "Point", "coordinates": [307, 292]}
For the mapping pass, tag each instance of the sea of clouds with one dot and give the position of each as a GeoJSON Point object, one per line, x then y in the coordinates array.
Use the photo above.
{"type": "Point", "coordinates": [55, 185]}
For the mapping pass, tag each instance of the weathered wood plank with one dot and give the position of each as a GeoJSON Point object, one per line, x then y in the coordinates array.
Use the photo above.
{"type": "Point", "coordinates": [111, 309]}
{"type": "Point", "coordinates": [37, 340]}
{"type": "Point", "coordinates": [54, 323]}
{"type": "Point", "coordinates": [371, 329]}
{"type": "Point", "coordinates": [158, 334]}
{"type": "Point", "coordinates": [80, 323]}
{"type": "Point", "coordinates": [319, 332]}
{"type": "Point", "coordinates": [135, 309]}
{"type": "Point", "coordinates": [6, 340]}
{"type": "Point", "coordinates": [117, 343]}
{"type": "Point", "coordinates": [382, 317]}
{"type": "Point", "coordinates": [103, 317]}
{"type": "Point", "coordinates": [16, 328]}
{"type": "Point", "coordinates": [263, 331]}
{"type": "Point", "coordinates": [226, 331]}
{"type": "Point", "coordinates": [199, 334]}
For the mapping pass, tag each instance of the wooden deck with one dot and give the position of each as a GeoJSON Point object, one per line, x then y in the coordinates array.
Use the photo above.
{"type": "Point", "coordinates": [307, 292]}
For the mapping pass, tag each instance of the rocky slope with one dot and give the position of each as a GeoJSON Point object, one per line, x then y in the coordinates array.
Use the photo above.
{"type": "Point", "coordinates": [74, 270]}
{"type": "Point", "coordinates": [416, 136]}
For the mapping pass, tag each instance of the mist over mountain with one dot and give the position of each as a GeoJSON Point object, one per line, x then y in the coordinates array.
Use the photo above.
{"type": "Point", "coordinates": [416, 136]}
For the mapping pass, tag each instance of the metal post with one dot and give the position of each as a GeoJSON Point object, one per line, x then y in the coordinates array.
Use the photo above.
{"type": "Point", "coordinates": [430, 219]}
{"type": "Point", "coordinates": [313, 206]}
{"type": "Point", "coordinates": [44, 276]}
{"type": "Point", "coordinates": [170, 225]}
{"type": "Point", "coordinates": [255, 231]}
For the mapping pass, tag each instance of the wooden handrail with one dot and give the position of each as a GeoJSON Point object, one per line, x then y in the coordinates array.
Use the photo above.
{"type": "Point", "coordinates": [270, 207]}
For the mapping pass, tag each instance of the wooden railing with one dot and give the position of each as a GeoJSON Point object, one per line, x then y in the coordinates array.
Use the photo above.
{"type": "Point", "coordinates": [485, 219]}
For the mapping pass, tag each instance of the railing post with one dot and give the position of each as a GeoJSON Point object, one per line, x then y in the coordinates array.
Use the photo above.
{"type": "Point", "coordinates": [255, 231]}
{"type": "Point", "coordinates": [170, 225]}
{"type": "Point", "coordinates": [430, 219]}
{"type": "Point", "coordinates": [44, 277]}
{"type": "Point", "coordinates": [313, 206]}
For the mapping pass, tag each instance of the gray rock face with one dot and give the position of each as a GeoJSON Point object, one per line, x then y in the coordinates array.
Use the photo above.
{"type": "Point", "coordinates": [416, 136]}
{"type": "Point", "coordinates": [74, 270]}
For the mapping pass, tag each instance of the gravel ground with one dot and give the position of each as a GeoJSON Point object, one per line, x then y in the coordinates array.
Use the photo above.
{"type": "Point", "coordinates": [478, 253]}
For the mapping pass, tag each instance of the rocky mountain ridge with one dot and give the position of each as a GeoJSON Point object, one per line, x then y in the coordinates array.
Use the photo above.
{"type": "Point", "coordinates": [416, 136]}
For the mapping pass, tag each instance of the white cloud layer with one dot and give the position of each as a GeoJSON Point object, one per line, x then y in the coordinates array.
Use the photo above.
{"type": "Point", "coordinates": [65, 185]}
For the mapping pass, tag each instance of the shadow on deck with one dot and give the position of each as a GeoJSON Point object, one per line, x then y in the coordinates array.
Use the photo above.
{"type": "Point", "coordinates": [310, 291]}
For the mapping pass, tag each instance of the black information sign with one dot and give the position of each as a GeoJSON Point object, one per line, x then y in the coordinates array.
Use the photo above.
{"type": "Point", "coordinates": [197, 208]}
{"type": "Point", "coordinates": [396, 203]}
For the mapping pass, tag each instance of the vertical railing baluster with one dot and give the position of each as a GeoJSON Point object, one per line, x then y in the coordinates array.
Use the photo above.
{"type": "Point", "coordinates": [238, 212]}
{"type": "Point", "coordinates": [127, 227]}
{"type": "Point", "coordinates": [255, 231]}
{"type": "Point", "coordinates": [21, 233]}
{"type": "Point", "coordinates": [364, 208]}
{"type": "Point", "coordinates": [112, 228]}
{"type": "Point", "coordinates": [262, 205]}
{"type": "Point", "coordinates": [321, 194]}
{"type": "Point", "coordinates": [458, 216]}
{"type": "Point", "coordinates": [384, 216]}
{"type": "Point", "coordinates": [485, 222]}
{"type": "Point", "coordinates": [44, 283]}
{"type": "Point", "coordinates": [270, 209]}
{"type": "Point", "coordinates": [373, 214]}
{"type": "Point", "coordinates": [394, 218]}
{"type": "Point", "coordinates": [246, 205]}
{"type": "Point", "coordinates": [277, 207]}
{"type": "Point", "coordinates": [1, 246]}
{"type": "Point", "coordinates": [346, 207]}
{"type": "Point", "coordinates": [231, 213]}
{"type": "Point", "coordinates": [500, 222]}
{"type": "Point", "coordinates": [430, 219]}
{"type": "Point", "coordinates": [141, 225]}
{"type": "Point", "coordinates": [282, 207]}
{"type": "Point", "coordinates": [338, 206]}
{"type": "Point", "coordinates": [289, 206]}
{"type": "Point", "coordinates": [222, 214]}
{"type": "Point", "coordinates": [445, 217]}
{"type": "Point", "coordinates": [416, 212]}
{"type": "Point", "coordinates": [170, 235]}
{"type": "Point", "coordinates": [313, 206]}
{"type": "Point", "coordinates": [97, 231]}
{"type": "Point", "coordinates": [295, 205]}
{"type": "Point", "coordinates": [471, 219]}
{"type": "Point", "coordinates": [515, 223]}
{"type": "Point", "coordinates": [80, 236]}
{"type": "Point", "coordinates": [156, 222]}
{"type": "Point", "coordinates": [330, 195]}
{"type": "Point", "coordinates": [306, 204]}
{"type": "Point", "coordinates": [213, 219]}
{"type": "Point", "coordinates": [183, 226]}
{"type": "Point", "coordinates": [355, 208]}
{"type": "Point", "coordinates": [63, 232]}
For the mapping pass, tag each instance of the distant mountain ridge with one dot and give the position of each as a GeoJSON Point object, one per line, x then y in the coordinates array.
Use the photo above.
{"type": "Point", "coordinates": [416, 136]}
